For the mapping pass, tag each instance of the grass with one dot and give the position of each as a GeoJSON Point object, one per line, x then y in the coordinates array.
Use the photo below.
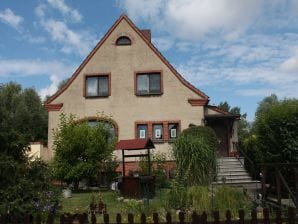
{"type": "Point", "coordinates": [79, 203]}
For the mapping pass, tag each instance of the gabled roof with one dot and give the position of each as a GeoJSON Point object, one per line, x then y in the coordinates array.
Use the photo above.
{"type": "Point", "coordinates": [151, 46]}
{"type": "Point", "coordinates": [135, 144]}
{"type": "Point", "coordinates": [222, 113]}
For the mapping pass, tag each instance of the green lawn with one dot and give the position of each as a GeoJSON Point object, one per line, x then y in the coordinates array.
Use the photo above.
{"type": "Point", "coordinates": [79, 202]}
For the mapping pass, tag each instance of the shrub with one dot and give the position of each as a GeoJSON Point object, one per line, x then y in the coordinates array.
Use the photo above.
{"type": "Point", "coordinates": [194, 151]}
{"type": "Point", "coordinates": [277, 141]}
{"type": "Point", "coordinates": [277, 132]}
{"type": "Point", "coordinates": [199, 199]}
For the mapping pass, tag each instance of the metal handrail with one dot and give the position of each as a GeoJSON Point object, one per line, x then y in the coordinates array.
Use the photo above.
{"type": "Point", "coordinates": [241, 152]}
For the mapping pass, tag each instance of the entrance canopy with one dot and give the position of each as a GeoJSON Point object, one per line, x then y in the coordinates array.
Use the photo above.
{"type": "Point", "coordinates": [135, 144]}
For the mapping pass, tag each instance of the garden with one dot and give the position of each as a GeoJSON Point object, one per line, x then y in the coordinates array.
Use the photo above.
{"type": "Point", "coordinates": [82, 152]}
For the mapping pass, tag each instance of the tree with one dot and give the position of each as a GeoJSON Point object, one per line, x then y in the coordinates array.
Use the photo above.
{"type": "Point", "coordinates": [21, 120]}
{"type": "Point", "coordinates": [276, 133]}
{"type": "Point", "coordinates": [62, 83]}
{"type": "Point", "coordinates": [194, 150]}
{"type": "Point", "coordinates": [266, 104]}
{"type": "Point", "coordinates": [224, 106]}
{"type": "Point", "coordinates": [243, 124]}
{"type": "Point", "coordinates": [80, 150]}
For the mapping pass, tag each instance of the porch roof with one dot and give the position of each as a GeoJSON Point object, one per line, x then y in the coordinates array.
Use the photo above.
{"type": "Point", "coordinates": [135, 144]}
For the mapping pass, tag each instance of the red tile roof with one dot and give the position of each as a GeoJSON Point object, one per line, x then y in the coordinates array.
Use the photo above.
{"type": "Point", "coordinates": [134, 144]}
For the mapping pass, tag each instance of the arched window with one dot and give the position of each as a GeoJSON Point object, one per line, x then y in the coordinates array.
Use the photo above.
{"type": "Point", "coordinates": [123, 40]}
{"type": "Point", "coordinates": [108, 125]}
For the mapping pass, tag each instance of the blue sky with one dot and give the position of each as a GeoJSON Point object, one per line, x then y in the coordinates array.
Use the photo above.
{"type": "Point", "coordinates": [235, 51]}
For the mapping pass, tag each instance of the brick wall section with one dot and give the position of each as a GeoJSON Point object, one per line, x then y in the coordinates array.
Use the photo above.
{"type": "Point", "coordinates": [134, 166]}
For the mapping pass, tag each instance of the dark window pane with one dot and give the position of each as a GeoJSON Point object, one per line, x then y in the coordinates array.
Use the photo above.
{"type": "Point", "coordinates": [157, 131]}
{"type": "Point", "coordinates": [142, 84]}
{"type": "Point", "coordinates": [91, 86]}
{"type": "Point", "coordinates": [92, 123]}
{"type": "Point", "coordinates": [123, 41]}
{"type": "Point", "coordinates": [154, 83]}
{"type": "Point", "coordinates": [142, 130]}
{"type": "Point", "coordinates": [103, 85]}
{"type": "Point", "coordinates": [173, 131]}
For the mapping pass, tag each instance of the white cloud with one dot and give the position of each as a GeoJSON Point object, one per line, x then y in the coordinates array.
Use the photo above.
{"type": "Point", "coordinates": [163, 43]}
{"type": "Point", "coordinates": [9, 17]}
{"type": "Point", "coordinates": [56, 71]}
{"type": "Point", "coordinates": [80, 42]}
{"type": "Point", "coordinates": [192, 19]}
{"type": "Point", "coordinates": [290, 65]}
{"type": "Point", "coordinates": [66, 10]}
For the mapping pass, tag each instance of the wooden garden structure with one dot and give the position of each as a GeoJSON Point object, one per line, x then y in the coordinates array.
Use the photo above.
{"type": "Point", "coordinates": [136, 186]}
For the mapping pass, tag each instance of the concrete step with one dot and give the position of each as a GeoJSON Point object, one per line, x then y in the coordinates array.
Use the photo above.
{"type": "Point", "coordinates": [233, 166]}
{"type": "Point", "coordinates": [251, 185]}
{"type": "Point", "coordinates": [229, 163]}
{"type": "Point", "coordinates": [234, 178]}
{"type": "Point", "coordinates": [222, 170]}
{"type": "Point", "coordinates": [230, 174]}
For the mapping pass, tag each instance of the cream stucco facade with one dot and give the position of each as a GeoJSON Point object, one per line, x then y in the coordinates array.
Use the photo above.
{"type": "Point", "coordinates": [179, 100]}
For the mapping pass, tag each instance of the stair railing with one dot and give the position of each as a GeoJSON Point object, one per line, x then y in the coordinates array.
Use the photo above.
{"type": "Point", "coordinates": [240, 152]}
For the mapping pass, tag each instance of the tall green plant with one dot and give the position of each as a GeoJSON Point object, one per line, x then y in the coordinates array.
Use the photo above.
{"type": "Point", "coordinates": [80, 150]}
{"type": "Point", "coordinates": [194, 151]}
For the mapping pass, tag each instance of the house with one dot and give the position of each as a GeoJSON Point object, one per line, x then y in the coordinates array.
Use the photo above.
{"type": "Point", "coordinates": [126, 78]}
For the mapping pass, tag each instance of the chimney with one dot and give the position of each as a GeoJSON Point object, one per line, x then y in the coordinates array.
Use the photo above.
{"type": "Point", "coordinates": [147, 34]}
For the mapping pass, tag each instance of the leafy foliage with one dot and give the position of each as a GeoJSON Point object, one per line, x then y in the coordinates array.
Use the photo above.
{"type": "Point", "coordinates": [80, 150]}
{"type": "Point", "coordinates": [201, 198]}
{"type": "Point", "coordinates": [22, 119]}
{"type": "Point", "coordinates": [277, 132]}
{"type": "Point", "coordinates": [194, 150]}
{"type": "Point", "coordinates": [157, 167]}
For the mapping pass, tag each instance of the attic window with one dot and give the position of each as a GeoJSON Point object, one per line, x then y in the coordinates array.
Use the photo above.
{"type": "Point", "coordinates": [123, 40]}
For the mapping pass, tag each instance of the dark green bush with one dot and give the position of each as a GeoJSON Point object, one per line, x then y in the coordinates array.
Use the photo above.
{"type": "Point", "coordinates": [194, 151]}
{"type": "Point", "coordinates": [277, 132]}
{"type": "Point", "coordinates": [277, 140]}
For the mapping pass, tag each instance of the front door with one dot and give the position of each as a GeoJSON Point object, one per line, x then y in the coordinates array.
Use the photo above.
{"type": "Point", "coordinates": [221, 130]}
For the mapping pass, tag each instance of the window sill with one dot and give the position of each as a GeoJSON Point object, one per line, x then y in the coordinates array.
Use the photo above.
{"type": "Point", "coordinates": [148, 94]}
{"type": "Point", "coordinates": [96, 97]}
{"type": "Point", "coordinates": [158, 141]}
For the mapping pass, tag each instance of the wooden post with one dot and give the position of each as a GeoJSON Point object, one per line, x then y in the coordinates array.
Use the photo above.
{"type": "Point", "coordinates": [194, 218]}
{"type": "Point", "coordinates": [181, 217]}
{"type": "Point", "coordinates": [296, 186]}
{"type": "Point", "coordinates": [254, 219]}
{"type": "Point", "coordinates": [228, 217]}
{"type": "Point", "coordinates": [143, 219]}
{"type": "Point", "coordinates": [155, 218]}
{"type": "Point", "coordinates": [278, 217]}
{"type": "Point", "coordinates": [130, 218]}
{"type": "Point", "coordinates": [291, 215]}
{"type": "Point", "coordinates": [93, 218]}
{"type": "Point", "coordinates": [263, 180]}
{"type": "Point", "coordinates": [118, 218]}
{"type": "Point", "coordinates": [266, 216]}
{"type": "Point", "coordinates": [149, 162]}
{"type": "Point", "coordinates": [106, 218]}
{"type": "Point", "coordinates": [278, 187]}
{"type": "Point", "coordinates": [216, 217]}
{"type": "Point", "coordinates": [123, 163]}
{"type": "Point", "coordinates": [203, 218]}
{"type": "Point", "coordinates": [241, 216]}
{"type": "Point", "coordinates": [168, 218]}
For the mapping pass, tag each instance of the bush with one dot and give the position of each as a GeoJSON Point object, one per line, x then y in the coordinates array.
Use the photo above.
{"type": "Point", "coordinates": [194, 151]}
{"type": "Point", "coordinates": [277, 133]}
{"type": "Point", "coordinates": [277, 141]}
{"type": "Point", "coordinates": [253, 153]}
{"type": "Point", "coordinates": [199, 199]}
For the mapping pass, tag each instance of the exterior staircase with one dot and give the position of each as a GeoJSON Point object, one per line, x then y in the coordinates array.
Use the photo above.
{"type": "Point", "coordinates": [231, 172]}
